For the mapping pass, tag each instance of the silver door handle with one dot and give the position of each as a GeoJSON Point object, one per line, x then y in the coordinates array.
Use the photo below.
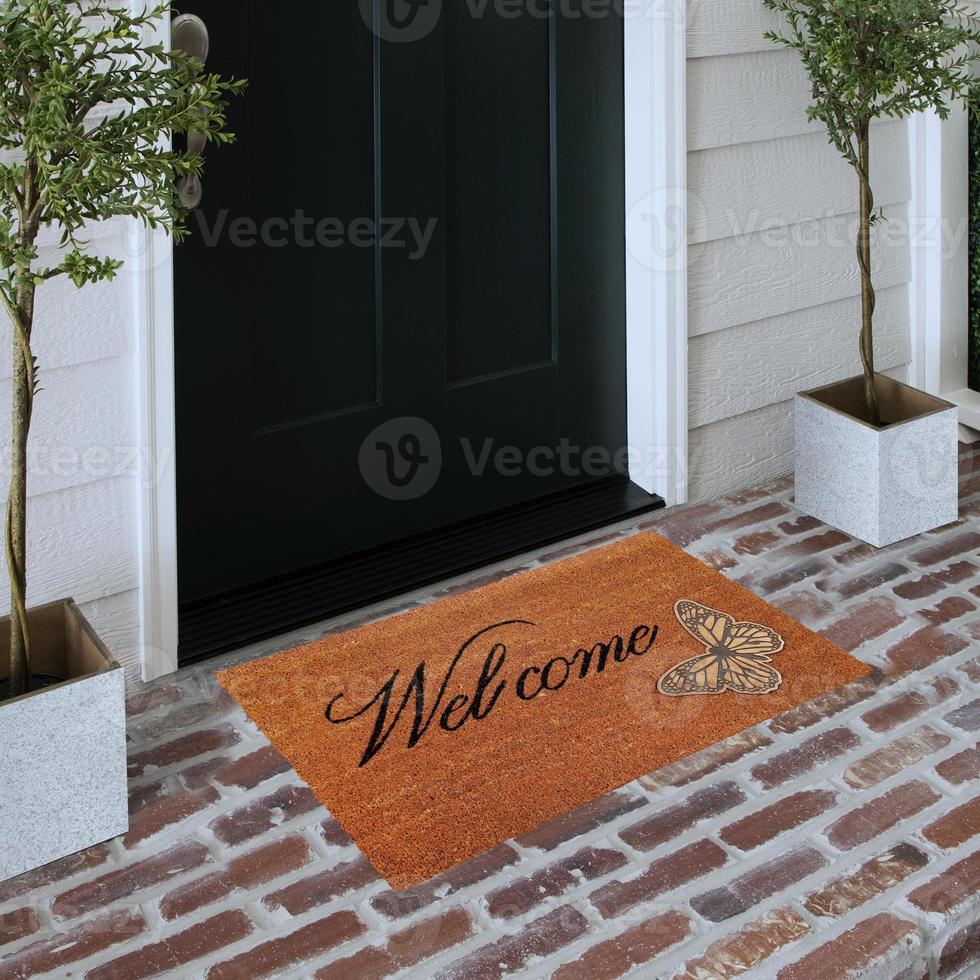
{"type": "Point", "coordinates": [188, 33]}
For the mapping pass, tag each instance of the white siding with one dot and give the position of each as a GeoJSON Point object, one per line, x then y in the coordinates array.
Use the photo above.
{"type": "Point", "coordinates": [83, 481]}
{"type": "Point", "coordinates": [773, 280]}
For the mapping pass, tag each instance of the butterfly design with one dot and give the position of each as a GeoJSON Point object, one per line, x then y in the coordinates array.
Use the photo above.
{"type": "Point", "coordinates": [737, 657]}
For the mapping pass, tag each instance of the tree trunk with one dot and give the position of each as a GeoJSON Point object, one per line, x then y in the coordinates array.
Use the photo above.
{"type": "Point", "coordinates": [16, 529]}
{"type": "Point", "coordinates": [868, 300]}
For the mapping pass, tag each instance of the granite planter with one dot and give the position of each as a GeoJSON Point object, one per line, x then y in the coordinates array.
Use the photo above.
{"type": "Point", "coordinates": [881, 485]}
{"type": "Point", "coordinates": [63, 747]}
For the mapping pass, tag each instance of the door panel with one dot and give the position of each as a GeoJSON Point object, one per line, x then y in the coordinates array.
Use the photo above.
{"type": "Point", "coordinates": [502, 138]}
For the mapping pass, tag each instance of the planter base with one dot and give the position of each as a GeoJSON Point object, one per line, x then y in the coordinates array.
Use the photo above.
{"type": "Point", "coordinates": [63, 747]}
{"type": "Point", "coordinates": [881, 485]}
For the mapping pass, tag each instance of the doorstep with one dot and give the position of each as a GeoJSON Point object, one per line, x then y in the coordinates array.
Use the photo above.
{"type": "Point", "coordinates": [844, 834]}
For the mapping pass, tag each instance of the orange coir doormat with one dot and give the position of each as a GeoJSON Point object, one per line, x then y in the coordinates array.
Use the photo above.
{"type": "Point", "coordinates": [439, 733]}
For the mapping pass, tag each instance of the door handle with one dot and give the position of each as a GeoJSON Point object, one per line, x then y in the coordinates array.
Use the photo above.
{"type": "Point", "coordinates": [188, 33]}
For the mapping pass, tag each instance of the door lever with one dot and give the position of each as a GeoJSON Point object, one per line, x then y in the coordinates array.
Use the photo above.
{"type": "Point", "coordinates": [188, 33]}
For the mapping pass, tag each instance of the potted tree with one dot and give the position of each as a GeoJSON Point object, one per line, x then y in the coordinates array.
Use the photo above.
{"type": "Point", "coordinates": [875, 457]}
{"type": "Point", "coordinates": [85, 107]}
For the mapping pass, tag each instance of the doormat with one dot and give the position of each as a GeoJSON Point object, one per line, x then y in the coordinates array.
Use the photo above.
{"type": "Point", "coordinates": [439, 733]}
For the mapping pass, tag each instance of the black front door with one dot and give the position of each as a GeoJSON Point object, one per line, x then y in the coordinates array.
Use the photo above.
{"type": "Point", "coordinates": [402, 307]}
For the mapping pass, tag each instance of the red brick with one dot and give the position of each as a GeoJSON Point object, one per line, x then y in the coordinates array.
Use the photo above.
{"type": "Point", "coordinates": [333, 834]}
{"type": "Point", "coordinates": [58, 951]}
{"type": "Point", "coordinates": [825, 706]}
{"type": "Point", "coordinates": [265, 863]}
{"type": "Point", "coordinates": [949, 547]}
{"type": "Point", "coordinates": [923, 648]}
{"type": "Point", "coordinates": [524, 894]}
{"type": "Point", "coordinates": [765, 824]}
{"type": "Point", "coordinates": [867, 582]}
{"type": "Point", "coordinates": [751, 495]}
{"type": "Point", "coordinates": [181, 749]}
{"type": "Point", "coordinates": [740, 894]}
{"type": "Point", "coordinates": [290, 951]}
{"type": "Point", "coordinates": [961, 768]}
{"type": "Point", "coordinates": [896, 712]}
{"type": "Point", "coordinates": [873, 878]}
{"type": "Point", "coordinates": [967, 718]}
{"type": "Point", "coordinates": [636, 946]}
{"type": "Point", "coordinates": [185, 716]}
{"type": "Point", "coordinates": [972, 668]}
{"type": "Point", "coordinates": [874, 818]}
{"type": "Point", "coordinates": [879, 938]}
{"type": "Point", "coordinates": [815, 752]}
{"type": "Point", "coordinates": [748, 948]}
{"type": "Point", "coordinates": [404, 949]}
{"type": "Point", "coordinates": [60, 870]}
{"type": "Point", "coordinates": [816, 543]}
{"type": "Point", "coordinates": [686, 864]}
{"type": "Point", "coordinates": [139, 704]}
{"type": "Point", "coordinates": [957, 885]}
{"type": "Point", "coordinates": [256, 867]}
{"type": "Point", "coordinates": [865, 621]}
{"type": "Point", "coordinates": [666, 824]}
{"type": "Point", "coordinates": [196, 895]}
{"type": "Point", "coordinates": [955, 827]}
{"type": "Point", "coordinates": [129, 880]}
{"type": "Point", "coordinates": [144, 795]}
{"type": "Point", "coordinates": [165, 814]}
{"type": "Point", "coordinates": [793, 575]}
{"type": "Point", "coordinates": [946, 611]}
{"type": "Point", "coordinates": [804, 607]}
{"type": "Point", "coordinates": [718, 559]}
{"type": "Point", "coordinates": [307, 893]}
{"type": "Point", "coordinates": [962, 949]}
{"type": "Point", "coordinates": [899, 755]}
{"type": "Point", "coordinates": [708, 760]}
{"type": "Point", "coordinates": [17, 924]}
{"type": "Point", "coordinates": [581, 821]}
{"type": "Point", "coordinates": [200, 775]}
{"type": "Point", "coordinates": [934, 582]}
{"type": "Point", "coordinates": [755, 543]}
{"type": "Point", "coordinates": [763, 514]}
{"type": "Point", "coordinates": [541, 938]}
{"type": "Point", "coordinates": [800, 526]}
{"type": "Point", "coordinates": [176, 951]}
{"type": "Point", "coordinates": [687, 525]}
{"type": "Point", "coordinates": [264, 814]}
{"type": "Point", "coordinates": [254, 768]}
{"type": "Point", "coordinates": [397, 905]}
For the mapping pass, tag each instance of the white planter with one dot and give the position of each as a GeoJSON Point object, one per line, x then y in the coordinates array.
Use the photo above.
{"type": "Point", "coordinates": [881, 485]}
{"type": "Point", "coordinates": [62, 748]}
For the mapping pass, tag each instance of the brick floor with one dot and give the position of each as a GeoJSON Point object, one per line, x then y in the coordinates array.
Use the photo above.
{"type": "Point", "coordinates": [841, 839]}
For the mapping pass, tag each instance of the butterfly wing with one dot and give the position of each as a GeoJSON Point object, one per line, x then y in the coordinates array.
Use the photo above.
{"type": "Point", "coordinates": [738, 658]}
{"type": "Point", "coordinates": [699, 675]}
{"type": "Point", "coordinates": [753, 639]}
{"type": "Point", "coordinates": [750, 675]}
{"type": "Point", "coordinates": [707, 626]}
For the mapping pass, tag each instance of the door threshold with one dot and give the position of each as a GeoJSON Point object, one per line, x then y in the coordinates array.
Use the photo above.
{"type": "Point", "coordinates": [234, 619]}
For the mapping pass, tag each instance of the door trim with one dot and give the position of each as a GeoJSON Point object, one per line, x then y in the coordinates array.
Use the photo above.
{"type": "Point", "coordinates": [939, 288]}
{"type": "Point", "coordinates": [656, 299]}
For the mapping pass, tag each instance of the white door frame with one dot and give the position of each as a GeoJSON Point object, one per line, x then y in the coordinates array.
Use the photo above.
{"type": "Point", "coordinates": [656, 194]}
{"type": "Point", "coordinates": [939, 290]}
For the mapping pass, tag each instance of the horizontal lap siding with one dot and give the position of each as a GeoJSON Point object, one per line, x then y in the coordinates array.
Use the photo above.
{"type": "Point", "coordinates": [773, 283]}
{"type": "Point", "coordinates": [84, 472]}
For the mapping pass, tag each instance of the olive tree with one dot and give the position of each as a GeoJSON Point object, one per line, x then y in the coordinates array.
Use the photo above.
{"type": "Point", "coordinates": [868, 59]}
{"type": "Point", "coordinates": [86, 109]}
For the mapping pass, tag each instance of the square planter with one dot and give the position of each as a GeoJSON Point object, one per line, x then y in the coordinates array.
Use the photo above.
{"type": "Point", "coordinates": [881, 485]}
{"type": "Point", "coordinates": [63, 747]}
